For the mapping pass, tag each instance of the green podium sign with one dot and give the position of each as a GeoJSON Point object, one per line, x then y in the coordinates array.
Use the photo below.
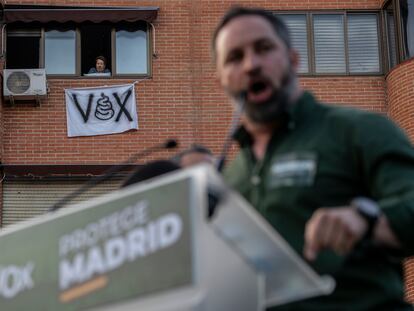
{"type": "Point", "coordinates": [117, 247]}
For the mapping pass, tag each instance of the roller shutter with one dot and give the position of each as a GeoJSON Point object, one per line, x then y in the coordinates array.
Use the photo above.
{"type": "Point", "coordinates": [23, 199]}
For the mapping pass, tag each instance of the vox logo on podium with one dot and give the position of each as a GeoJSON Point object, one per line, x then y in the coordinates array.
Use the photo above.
{"type": "Point", "coordinates": [15, 279]}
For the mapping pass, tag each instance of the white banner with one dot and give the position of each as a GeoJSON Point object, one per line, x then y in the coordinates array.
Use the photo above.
{"type": "Point", "coordinates": [101, 110]}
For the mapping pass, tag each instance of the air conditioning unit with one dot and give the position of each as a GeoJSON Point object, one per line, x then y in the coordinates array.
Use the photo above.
{"type": "Point", "coordinates": [24, 83]}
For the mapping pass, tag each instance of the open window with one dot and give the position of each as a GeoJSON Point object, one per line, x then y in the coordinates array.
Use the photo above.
{"type": "Point", "coordinates": [95, 41]}
{"type": "Point", "coordinates": [399, 29]}
{"type": "Point", "coordinates": [66, 40]}
{"type": "Point", "coordinates": [23, 46]}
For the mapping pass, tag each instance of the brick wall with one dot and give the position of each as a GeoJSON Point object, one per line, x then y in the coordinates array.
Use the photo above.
{"type": "Point", "coordinates": [165, 103]}
{"type": "Point", "coordinates": [400, 98]}
{"type": "Point", "coordinates": [409, 277]}
{"type": "Point", "coordinates": [181, 100]}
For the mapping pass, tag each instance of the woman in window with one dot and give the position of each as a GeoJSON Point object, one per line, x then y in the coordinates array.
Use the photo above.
{"type": "Point", "coordinates": [100, 66]}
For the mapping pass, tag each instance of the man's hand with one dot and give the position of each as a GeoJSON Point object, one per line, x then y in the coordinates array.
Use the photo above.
{"type": "Point", "coordinates": [338, 229]}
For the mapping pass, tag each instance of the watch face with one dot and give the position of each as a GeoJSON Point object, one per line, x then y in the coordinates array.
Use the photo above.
{"type": "Point", "coordinates": [366, 207]}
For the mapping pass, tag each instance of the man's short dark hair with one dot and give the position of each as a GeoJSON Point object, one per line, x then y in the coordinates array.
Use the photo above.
{"type": "Point", "coordinates": [150, 170]}
{"type": "Point", "coordinates": [102, 58]}
{"type": "Point", "coordinates": [278, 25]}
{"type": "Point", "coordinates": [196, 148]}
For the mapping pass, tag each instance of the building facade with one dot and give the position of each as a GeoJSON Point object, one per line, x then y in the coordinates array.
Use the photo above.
{"type": "Point", "coordinates": [163, 47]}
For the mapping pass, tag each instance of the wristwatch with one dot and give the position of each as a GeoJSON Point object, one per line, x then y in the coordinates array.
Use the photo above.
{"type": "Point", "coordinates": [369, 210]}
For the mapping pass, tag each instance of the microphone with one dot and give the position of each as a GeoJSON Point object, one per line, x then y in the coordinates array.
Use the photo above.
{"type": "Point", "coordinates": [215, 195]}
{"type": "Point", "coordinates": [241, 99]}
{"type": "Point", "coordinates": [150, 170]}
{"type": "Point", "coordinates": [168, 144]}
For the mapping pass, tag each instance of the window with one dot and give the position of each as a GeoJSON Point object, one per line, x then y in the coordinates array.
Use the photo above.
{"type": "Point", "coordinates": [363, 46]}
{"type": "Point", "coordinates": [391, 36]}
{"type": "Point", "coordinates": [131, 51]}
{"type": "Point", "coordinates": [299, 36]}
{"type": "Point", "coordinates": [95, 41]}
{"type": "Point", "coordinates": [329, 41]}
{"type": "Point", "coordinates": [65, 40]}
{"type": "Point", "coordinates": [336, 43]}
{"type": "Point", "coordinates": [69, 49]}
{"type": "Point", "coordinates": [19, 42]}
{"type": "Point", "coordinates": [399, 28]}
{"type": "Point", "coordinates": [407, 27]}
{"type": "Point", "coordinates": [60, 52]}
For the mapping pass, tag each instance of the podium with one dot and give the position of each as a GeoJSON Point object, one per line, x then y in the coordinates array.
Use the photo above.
{"type": "Point", "coordinates": [151, 246]}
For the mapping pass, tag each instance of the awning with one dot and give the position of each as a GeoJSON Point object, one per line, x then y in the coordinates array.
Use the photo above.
{"type": "Point", "coordinates": [77, 14]}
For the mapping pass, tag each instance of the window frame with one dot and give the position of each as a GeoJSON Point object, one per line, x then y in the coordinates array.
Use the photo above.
{"type": "Point", "coordinates": [311, 42]}
{"type": "Point", "coordinates": [385, 40]}
{"type": "Point", "coordinates": [399, 34]}
{"type": "Point", "coordinates": [399, 30]}
{"type": "Point", "coordinates": [20, 32]}
{"type": "Point", "coordinates": [312, 28]}
{"type": "Point", "coordinates": [149, 54]}
{"type": "Point", "coordinates": [78, 54]}
{"type": "Point", "coordinates": [42, 55]}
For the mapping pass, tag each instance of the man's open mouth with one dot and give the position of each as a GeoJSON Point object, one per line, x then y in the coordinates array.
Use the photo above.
{"type": "Point", "coordinates": [259, 91]}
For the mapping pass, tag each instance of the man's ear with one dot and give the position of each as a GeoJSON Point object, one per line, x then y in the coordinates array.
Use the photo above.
{"type": "Point", "coordinates": [294, 59]}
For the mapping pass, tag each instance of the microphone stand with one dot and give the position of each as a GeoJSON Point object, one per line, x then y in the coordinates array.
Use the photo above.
{"type": "Point", "coordinates": [215, 195]}
{"type": "Point", "coordinates": [233, 127]}
{"type": "Point", "coordinates": [169, 144]}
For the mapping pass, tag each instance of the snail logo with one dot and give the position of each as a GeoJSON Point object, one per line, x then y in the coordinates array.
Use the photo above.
{"type": "Point", "coordinates": [104, 109]}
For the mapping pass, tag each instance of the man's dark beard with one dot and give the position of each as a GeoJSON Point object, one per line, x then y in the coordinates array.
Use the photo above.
{"type": "Point", "coordinates": [274, 109]}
